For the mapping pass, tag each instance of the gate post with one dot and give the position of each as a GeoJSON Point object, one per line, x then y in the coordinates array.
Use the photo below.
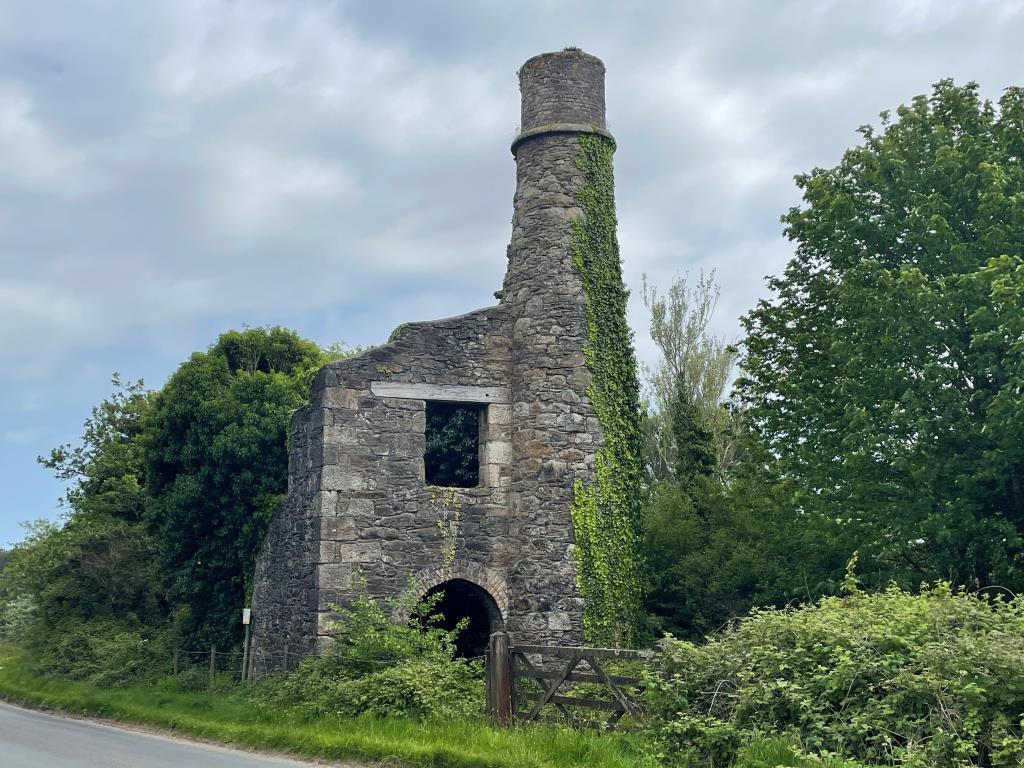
{"type": "Point", "coordinates": [499, 692]}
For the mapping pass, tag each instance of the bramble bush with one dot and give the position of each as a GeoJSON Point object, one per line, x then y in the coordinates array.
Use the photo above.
{"type": "Point", "coordinates": [384, 668]}
{"type": "Point", "coordinates": [892, 678]}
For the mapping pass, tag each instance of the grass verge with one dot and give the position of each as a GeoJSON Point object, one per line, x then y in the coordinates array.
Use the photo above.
{"type": "Point", "coordinates": [231, 718]}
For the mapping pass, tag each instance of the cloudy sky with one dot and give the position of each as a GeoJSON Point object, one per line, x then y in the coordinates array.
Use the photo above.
{"type": "Point", "coordinates": [169, 170]}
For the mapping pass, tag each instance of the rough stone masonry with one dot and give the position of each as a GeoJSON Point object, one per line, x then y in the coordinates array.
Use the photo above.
{"type": "Point", "coordinates": [358, 505]}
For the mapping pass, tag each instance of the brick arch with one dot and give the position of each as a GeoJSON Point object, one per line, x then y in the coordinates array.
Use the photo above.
{"type": "Point", "coordinates": [485, 578]}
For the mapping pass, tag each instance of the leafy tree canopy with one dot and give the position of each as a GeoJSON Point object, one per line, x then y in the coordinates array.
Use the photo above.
{"type": "Point", "coordinates": [97, 565]}
{"type": "Point", "coordinates": [216, 464]}
{"type": "Point", "coordinates": [884, 379]}
{"type": "Point", "coordinates": [105, 469]}
{"type": "Point", "coordinates": [695, 368]}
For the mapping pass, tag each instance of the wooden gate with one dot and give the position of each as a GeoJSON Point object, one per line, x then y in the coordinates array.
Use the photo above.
{"type": "Point", "coordinates": [528, 683]}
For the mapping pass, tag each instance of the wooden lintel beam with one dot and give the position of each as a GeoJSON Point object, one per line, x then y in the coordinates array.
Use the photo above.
{"type": "Point", "coordinates": [444, 392]}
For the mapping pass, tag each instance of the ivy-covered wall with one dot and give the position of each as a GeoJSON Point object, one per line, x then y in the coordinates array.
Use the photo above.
{"type": "Point", "coordinates": [606, 514]}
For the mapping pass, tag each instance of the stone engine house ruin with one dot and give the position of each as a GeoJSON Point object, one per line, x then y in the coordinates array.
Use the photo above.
{"type": "Point", "coordinates": [360, 499]}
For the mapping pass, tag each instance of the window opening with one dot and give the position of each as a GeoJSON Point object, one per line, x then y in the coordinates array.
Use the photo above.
{"type": "Point", "coordinates": [452, 456]}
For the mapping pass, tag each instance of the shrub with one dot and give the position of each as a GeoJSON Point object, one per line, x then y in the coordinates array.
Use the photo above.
{"type": "Point", "coordinates": [16, 615]}
{"type": "Point", "coordinates": [104, 653]}
{"type": "Point", "coordinates": [935, 679]}
{"type": "Point", "coordinates": [385, 668]}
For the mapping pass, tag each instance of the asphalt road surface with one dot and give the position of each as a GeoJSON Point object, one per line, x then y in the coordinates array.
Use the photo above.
{"type": "Point", "coordinates": [35, 740]}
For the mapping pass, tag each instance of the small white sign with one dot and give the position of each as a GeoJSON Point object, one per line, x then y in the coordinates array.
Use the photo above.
{"type": "Point", "coordinates": [246, 613]}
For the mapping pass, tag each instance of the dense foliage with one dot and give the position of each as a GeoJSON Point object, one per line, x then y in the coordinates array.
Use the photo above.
{"type": "Point", "coordinates": [713, 545]}
{"type": "Point", "coordinates": [452, 455]}
{"type": "Point", "coordinates": [606, 515]}
{"type": "Point", "coordinates": [378, 667]}
{"type": "Point", "coordinates": [216, 465]}
{"type": "Point", "coordinates": [892, 678]}
{"type": "Point", "coordinates": [89, 583]}
{"type": "Point", "coordinates": [884, 380]}
{"type": "Point", "coordinates": [168, 498]}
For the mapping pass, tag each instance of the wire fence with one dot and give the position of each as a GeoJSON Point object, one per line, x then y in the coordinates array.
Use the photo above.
{"type": "Point", "coordinates": [216, 662]}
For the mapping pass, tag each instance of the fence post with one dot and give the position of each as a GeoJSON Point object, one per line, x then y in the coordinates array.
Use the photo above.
{"type": "Point", "coordinates": [213, 663]}
{"type": "Point", "coordinates": [245, 655]}
{"type": "Point", "coordinates": [499, 693]}
{"type": "Point", "coordinates": [174, 664]}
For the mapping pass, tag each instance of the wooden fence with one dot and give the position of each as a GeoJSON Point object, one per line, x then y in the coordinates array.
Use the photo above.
{"type": "Point", "coordinates": [534, 682]}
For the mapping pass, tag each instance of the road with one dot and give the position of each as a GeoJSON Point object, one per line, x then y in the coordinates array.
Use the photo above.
{"type": "Point", "coordinates": [35, 740]}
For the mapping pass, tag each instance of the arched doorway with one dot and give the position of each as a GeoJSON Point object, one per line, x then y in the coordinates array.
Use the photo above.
{"type": "Point", "coordinates": [461, 599]}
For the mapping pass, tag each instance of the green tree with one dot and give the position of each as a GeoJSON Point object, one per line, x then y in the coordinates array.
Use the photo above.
{"type": "Point", "coordinates": [105, 469]}
{"type": "Point", "coordinates": [96, 566]}
{"type": "Point", "coordinates": [694, 442]}
{"type": "Point", "coordinates": [86, 569]}
{"type": "Point", "coordinates": [883, 379]}
{"type": "Point", "coordinates": [692, 361]}
{"type": "Point", "coordinates": [216, 466]}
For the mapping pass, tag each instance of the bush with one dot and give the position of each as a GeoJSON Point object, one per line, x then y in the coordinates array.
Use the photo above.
{"type": "Point", "coordinates": [104, 653]}
{"type": "Point", "coordinates": [16, 615]}
{"type": "Point", "coordinates": [935, 679]}
{"type": "Point", "coordinates": [383, 668]}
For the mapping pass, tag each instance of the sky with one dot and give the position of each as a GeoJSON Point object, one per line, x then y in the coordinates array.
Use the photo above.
{"type": "Point", "coordinates": [173, 169]}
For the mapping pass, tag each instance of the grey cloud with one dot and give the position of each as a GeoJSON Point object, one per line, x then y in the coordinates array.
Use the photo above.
{"type": "Point", "coordinates": [166, 162]}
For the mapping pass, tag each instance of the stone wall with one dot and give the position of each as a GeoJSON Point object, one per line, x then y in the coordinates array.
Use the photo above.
{"type": "Point", "coordinates": [357, 501]}
{"type": "Point", "coordinates": [366, 509]}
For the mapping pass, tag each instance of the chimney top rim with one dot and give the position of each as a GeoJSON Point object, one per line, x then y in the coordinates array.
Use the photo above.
{"type": "Point", "coordinates": [566, 53]}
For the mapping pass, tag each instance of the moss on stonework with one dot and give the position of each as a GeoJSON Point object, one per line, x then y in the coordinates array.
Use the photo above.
{"type": "Point", "coordinates": [395, 334]}
{"type": "Point", "coordinates": [606, 513]}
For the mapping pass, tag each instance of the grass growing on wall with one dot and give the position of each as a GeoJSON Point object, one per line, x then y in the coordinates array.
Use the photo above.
{"type": "Point", "coordinates": [235, 718]}
{"type": "Point", "coordinates": [606, 514]}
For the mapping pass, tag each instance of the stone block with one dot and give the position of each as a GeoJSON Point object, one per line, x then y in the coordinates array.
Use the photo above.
{"type": "Point", "coordinates": [341, 397]}
{"type": "Point", "coordinates": [359, 552]}
{"type": "Point", "coordinates": [325, 622]}
{"type": "Point", "coordinates": [360, 509]}
{"type": "Point", "coordinates": [338, 529]}
{"type": "Point", "coordinates": [341, 436]}
{"type": "Point", "coordinates": [336, 576]}
{"type": "Point", "coordinates": [335, 477]}
{"type": "Point", "coordinates": [498, 452]}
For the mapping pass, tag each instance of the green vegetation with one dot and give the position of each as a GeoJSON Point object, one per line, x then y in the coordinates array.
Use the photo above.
{"type": "Point", "coordinates": [87, 589]}
{"type": "Point", "coordinates": [169, 496]}
{"type": "Point", "coordinates": [216, 464]}
{"type": "Point", "coordinates": [452, 456]}
{"type": "Point", "coordinates": [883, 382]}
{"type": "Point", "coordinates": [236, 718]}
{"type": "Point", "coordinates": [381, 668]}
{"type": "Point", "coordinates": [694, 372]}
{"type": "Point", "coordinates": [777, 752]}
{"type": "Point", "coordinates": [890, 678]}
{"type": "Point", "coordinates": [606, 516]}
{"type": "Point", "coordinates": [878, 403]}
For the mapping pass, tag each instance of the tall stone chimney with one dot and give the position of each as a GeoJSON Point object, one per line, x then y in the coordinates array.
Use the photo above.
{"type": "Point", "coordinates": [555, 431]}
